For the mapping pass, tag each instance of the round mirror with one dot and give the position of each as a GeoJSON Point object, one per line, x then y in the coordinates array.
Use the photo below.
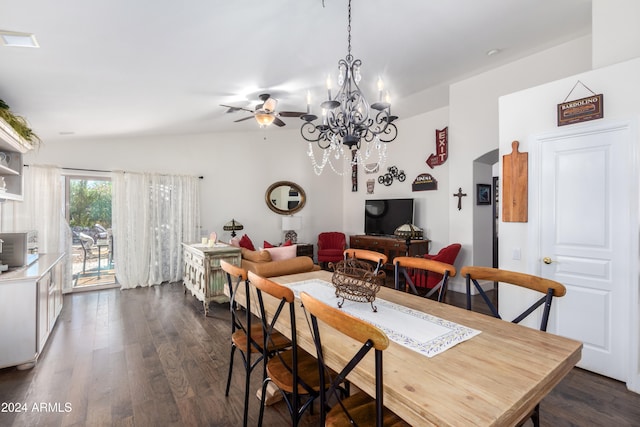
{"type": "Point", "coordinates": [285, 197]}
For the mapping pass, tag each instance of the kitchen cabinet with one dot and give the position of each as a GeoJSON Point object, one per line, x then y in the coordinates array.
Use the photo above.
{"type": "Point", "coordinates": [12, 147]}
{"type": "Point", "coordinates": [203, 275]}
{"type": "Point", "coordinates": [30, 303]}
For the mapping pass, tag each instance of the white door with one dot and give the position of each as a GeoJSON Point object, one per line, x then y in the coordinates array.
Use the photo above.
{"type": "Point", "coordinates": [585, 238]}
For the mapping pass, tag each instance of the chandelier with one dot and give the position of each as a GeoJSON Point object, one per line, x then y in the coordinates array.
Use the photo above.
{"type": "Point", "coordinates": [351, 131]}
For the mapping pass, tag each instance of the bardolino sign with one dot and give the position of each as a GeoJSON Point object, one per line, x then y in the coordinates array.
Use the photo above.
{"type": "Point", "coordinates": [581, 110]}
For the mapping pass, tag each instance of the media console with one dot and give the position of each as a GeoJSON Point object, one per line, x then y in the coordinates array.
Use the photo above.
{"type": "Point", "coordinates": [390, 246]}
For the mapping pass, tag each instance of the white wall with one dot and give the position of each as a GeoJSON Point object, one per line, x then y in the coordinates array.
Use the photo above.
{"type": "Point", "coordinates": [409, 152]}
{"type": "Point", "coordinates": [237, 169]}
{"type": "Point", "coordinates": [615, 30]}
{"type": "Point", "coordinates": [473, 128]}
{"type": "Point", "coordinates": [482, 217]}
{"type": "Point", "coordinates": [532, 112]}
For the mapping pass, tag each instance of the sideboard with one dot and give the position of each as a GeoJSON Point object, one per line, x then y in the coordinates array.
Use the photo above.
{"type": "Point", "coordinates": [390, 246]}
{"type": "Point", "coordinates": [202, 273]}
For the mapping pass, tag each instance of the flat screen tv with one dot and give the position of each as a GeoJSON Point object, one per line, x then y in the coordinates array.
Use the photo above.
{"type": "Point", "coordinates": [382, 217]}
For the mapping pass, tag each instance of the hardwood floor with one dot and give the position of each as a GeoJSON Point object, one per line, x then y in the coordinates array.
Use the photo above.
{"type": "Point", "coordinates": [149, 357]}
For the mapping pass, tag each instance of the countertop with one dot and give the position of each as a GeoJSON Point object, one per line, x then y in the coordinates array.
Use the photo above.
{"type": "Point", "coordinates": [35, 270]}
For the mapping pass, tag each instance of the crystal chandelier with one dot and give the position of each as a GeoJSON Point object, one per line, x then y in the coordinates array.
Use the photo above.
{"type": "Point", "coordinates": [351, 131]}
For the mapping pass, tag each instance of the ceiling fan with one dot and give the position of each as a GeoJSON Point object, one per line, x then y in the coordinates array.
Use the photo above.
{"type": "Point", "coordinates": [265, 113]}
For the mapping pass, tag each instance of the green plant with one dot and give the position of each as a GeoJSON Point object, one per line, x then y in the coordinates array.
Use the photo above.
{"type": "Point", "coordinates": [18, 123]}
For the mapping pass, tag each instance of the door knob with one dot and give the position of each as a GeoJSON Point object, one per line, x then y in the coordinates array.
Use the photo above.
{"type": "Point", "coordinates": [547, 260]}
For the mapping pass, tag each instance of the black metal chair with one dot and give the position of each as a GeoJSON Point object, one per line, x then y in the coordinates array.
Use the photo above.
{"type": "Point", "coordinates": [358, 409]}
{"type": "Point", "coordinates": [245, 336]}
{"type": "Point", "coordinates": [548, 288]}
{"type": "Point", "coordinates": [414, 270]}
{"type": "Point", "coordinates": [294, 371]}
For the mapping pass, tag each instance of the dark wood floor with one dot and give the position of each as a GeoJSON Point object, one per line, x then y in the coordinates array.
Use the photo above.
{"type": "Point", "coordinates": [149, 357]}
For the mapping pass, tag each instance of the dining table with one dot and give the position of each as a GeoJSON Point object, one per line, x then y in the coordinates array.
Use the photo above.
{"type": "Point", "coordinates": [490, 372]}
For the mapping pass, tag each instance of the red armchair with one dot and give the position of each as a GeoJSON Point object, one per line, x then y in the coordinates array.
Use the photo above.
{"type": "Point", "coordinates": [331, 246]}
{"type": "Point", "coordinates": [447, 255]}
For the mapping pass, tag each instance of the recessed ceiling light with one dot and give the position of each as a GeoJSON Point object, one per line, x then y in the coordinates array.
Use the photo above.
{"type": "Point", "coordinates": [493, 52]}
{"type": "Point", "coordinates": [14, 39]}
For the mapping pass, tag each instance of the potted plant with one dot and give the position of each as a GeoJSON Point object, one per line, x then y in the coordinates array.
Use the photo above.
{"type": "Point", "coordinates": [18, 124]}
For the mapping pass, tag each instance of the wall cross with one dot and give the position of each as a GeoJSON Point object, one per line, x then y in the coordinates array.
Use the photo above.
{"type": "Point", "coordinates": [460, 195]}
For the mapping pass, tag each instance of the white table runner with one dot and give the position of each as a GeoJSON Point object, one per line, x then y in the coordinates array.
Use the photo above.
{"type": "Point", "coordinates": [421, 332]}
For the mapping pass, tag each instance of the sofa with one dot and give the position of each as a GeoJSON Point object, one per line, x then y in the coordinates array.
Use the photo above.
{"type": "Point", "coordinates": [261, 263]}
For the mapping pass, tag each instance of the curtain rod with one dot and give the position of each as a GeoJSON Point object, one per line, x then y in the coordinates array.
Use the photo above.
{"type": "Point", "coordinates": [95, 170]}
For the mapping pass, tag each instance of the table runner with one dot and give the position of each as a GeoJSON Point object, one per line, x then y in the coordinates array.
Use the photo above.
{"type": "Point", "coordinates": [428, 335]}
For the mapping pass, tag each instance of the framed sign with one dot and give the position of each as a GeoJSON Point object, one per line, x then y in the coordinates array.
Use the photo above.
{"type": "Point", "coordinates": [483, 194]}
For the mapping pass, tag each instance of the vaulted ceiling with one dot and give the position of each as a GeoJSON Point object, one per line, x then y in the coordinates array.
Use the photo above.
{"type": "Point", "coordinates": [108, 68]}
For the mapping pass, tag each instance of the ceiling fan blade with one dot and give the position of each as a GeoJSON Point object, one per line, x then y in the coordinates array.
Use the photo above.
{"type": "Point", "coordinates": [243, 119]}
{"type": "Point", "coordinates": [278, 122]}
{"type": "Point", "coordinates": [291, 113]}
{"type": "Point", "coordinates": [232, 109]}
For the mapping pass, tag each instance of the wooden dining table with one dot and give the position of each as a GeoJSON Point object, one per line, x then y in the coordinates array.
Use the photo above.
{"type": "Point", "coordinates": [495, 378]}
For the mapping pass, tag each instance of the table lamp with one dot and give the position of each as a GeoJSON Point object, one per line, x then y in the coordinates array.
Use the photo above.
{"type": "Point", "coordinates": [289, 225]}
{"type": "Point", "coordinates": [408, 232]}
{"type": "Point", "coordinates": [233, 226]}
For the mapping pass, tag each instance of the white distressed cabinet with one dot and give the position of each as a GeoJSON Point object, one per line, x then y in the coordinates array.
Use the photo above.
{"type": "Point", "coordinates": [202, 273]}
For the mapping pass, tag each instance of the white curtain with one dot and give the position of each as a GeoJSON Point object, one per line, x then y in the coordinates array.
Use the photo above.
{"type": "Point", "coordinates": [42, 210]}
{"type": "Point", "coordinates": [152, 215]}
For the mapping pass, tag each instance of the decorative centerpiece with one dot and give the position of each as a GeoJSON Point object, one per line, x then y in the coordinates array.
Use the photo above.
{"type": "Point", "coordinates": [356, 281]}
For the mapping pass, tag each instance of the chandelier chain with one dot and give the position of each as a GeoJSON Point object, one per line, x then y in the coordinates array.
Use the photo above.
{"type": "Point", "coordinates": [349, 57]}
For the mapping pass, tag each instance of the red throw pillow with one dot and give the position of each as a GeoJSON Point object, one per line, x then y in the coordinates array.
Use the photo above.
{"type": "Point", "coordinates": [287, 243]}
{"type": "Point", "coordinates": [266, 244]}
{"type": "Point", "coordinates": [245, 242]}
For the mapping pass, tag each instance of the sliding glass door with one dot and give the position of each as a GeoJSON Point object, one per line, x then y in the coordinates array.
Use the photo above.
{"type": "Point", "coordinates": [88, 211]}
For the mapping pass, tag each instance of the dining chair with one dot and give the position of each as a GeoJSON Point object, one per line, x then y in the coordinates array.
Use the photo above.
{"type": "Point", "coordinates": [548, 288]}
{"type": "Point", "coordinates": [246, 336]}
{"type": "Point", "coordinates": [410, 268]}
{"type": "Point", "coordinates": [358, 409]}
{"type": "Point", "coordinates": [377, 258]}
{"type": "Point", "coordinates": [294, 371]}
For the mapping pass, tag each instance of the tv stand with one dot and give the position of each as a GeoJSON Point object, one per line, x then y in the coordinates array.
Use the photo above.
{"type": "Point", "coordinates": [390, 246]}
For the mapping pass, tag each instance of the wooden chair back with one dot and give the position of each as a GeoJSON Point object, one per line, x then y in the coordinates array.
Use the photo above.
{"type": "Point", "coordinates": [236, 277]}
{"type": "Point", "coordinates": [410, 268]}
{"type": "Point", "coordinates": [377, 258]}
{"type": "Point", "coordinates": [549, 289]}
{"type": "Point", "coordinates": [369, 335]}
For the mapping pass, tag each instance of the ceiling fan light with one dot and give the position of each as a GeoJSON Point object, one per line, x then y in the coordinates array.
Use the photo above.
{"type": "Point", "coordinates": [264, 118]}
{"type": "Point", "coordinates": [270, 105]}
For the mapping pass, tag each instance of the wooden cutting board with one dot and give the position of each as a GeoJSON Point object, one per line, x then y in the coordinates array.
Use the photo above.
{"type": "Point", "coordinates": [515, 187]}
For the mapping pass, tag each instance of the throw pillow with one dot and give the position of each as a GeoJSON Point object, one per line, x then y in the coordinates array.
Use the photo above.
{"type": "Point", "coordinates": [245, 242]}
{"type": "Point", "coordinates": [255, 256]}
{"type": "Point", "coordinates": [235, 241]}
{"type": "Point", "coordinates": [267, 244]}
{"type": "Point", "coordinates": [282, 252]}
